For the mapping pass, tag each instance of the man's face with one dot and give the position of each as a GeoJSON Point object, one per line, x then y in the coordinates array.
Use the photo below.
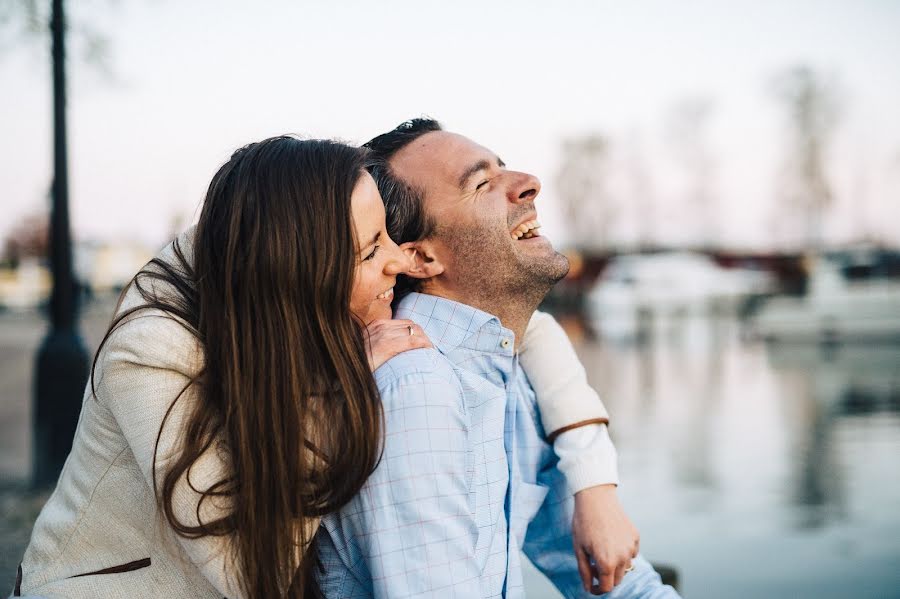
{"type": "Point", "coordinates": [486, 231]}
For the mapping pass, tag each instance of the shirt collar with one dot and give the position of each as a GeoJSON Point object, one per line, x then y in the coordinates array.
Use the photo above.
{"type": "Point", "coordinates": [452, 325]}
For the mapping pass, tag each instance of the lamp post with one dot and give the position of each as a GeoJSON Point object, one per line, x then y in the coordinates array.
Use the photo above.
{"type": "Point", "coordinates": [62, 362]}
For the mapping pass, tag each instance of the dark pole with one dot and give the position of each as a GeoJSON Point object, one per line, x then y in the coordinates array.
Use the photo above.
{"type": "Point", "coordinates": [62, 363]}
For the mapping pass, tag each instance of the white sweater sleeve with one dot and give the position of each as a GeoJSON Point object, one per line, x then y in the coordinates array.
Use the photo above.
{"type": "Point", "coordinates": [587, 457]}
{"type": "Point", "coordinates": [572, 413]}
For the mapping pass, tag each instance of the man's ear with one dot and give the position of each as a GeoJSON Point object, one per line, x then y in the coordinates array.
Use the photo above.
{"type": "Point", "coordinates": [424, 263]}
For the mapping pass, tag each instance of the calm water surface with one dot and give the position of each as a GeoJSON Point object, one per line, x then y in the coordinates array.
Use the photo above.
{"type": "Point", "coordinates": [757, 470]}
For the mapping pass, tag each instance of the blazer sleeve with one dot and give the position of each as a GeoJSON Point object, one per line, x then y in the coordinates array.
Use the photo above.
{"type": "Point", "coordinates": [564, 398]}
{"type": "Point", "coordinates": [146, 363]}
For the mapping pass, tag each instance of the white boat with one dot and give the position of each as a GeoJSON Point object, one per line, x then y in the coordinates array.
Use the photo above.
{"type": "Point", "coordinates": [833, 309]}
{"type": "Point", "coordinates": [638, 293]}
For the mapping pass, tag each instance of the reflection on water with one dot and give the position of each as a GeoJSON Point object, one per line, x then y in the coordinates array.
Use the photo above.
{"type": "Point", "coordinates": [758, 470]}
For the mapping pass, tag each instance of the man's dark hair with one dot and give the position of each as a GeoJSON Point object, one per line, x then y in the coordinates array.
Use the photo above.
{"type": "Point", "coordinates": [404, 204]}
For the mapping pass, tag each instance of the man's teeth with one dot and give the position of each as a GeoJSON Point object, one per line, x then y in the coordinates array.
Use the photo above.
{"type": "Point", "coordinates": [386, 294]}
{"type": "Point", "coordinates": [526, 230]}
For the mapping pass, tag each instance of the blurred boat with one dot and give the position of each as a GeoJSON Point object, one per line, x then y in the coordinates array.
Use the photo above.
{"type": "Point", "coordinates": [638, 293]}
{"type": "Point", "coordinates": [833, 309]}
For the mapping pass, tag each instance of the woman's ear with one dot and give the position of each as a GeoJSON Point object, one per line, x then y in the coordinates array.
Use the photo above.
{"type": "Point", "coordinates": [423, 264]}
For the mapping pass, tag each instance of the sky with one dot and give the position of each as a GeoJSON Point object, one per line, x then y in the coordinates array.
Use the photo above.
{"type": "Point", "coordinates": [189, 82]}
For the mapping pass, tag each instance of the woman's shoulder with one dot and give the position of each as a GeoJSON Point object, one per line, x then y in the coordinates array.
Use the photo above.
{"type": "Point", "coordinates": [154, 337]}
{"type": "Point", "coordinates": [147, 334]}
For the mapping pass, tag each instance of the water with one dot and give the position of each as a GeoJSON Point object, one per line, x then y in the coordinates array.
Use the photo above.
{"type": "Point", "coordinates": [755, 470]}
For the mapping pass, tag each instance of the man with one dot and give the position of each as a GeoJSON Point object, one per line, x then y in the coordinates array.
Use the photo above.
{"type": "Point", "coordinates": [468, 476]}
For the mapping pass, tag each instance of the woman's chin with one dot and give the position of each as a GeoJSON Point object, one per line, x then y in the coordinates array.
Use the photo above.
{"type": "Point", "coordinates": [376, 313]}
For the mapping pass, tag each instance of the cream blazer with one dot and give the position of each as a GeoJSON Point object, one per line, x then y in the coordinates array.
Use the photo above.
{"type": "Point", "coordinates": [101, 534]}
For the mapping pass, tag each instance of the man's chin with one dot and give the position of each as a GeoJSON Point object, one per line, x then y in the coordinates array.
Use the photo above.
{"type": "Point", "coordinates": [546, 268]}
{"type": "Point", "coordinates": [560, 267]}
{"type": "Point", "coordinates": [540, 250]}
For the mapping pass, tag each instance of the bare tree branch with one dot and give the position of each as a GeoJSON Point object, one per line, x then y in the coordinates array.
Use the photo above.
{"type": "Point", "coordinates": [812, 106]}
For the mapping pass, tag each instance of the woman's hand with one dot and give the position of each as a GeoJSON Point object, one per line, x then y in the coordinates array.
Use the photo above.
{"type": "Point", "coordinates": [386, 338]}
{"type": "Point", "coordinates": [605, 539]}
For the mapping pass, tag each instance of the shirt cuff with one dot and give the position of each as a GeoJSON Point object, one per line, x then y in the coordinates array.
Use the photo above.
{"type": "Point", "coordinates": [587, 457]}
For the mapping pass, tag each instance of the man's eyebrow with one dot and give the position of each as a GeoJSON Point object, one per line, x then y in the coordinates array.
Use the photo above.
{"type": "Point", "coordinates": [478, 166]}
{"type": "Point", "coordinates": [374, 240]}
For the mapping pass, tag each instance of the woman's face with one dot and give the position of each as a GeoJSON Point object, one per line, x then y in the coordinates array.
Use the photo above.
{"type": "Point", "coordinates": [378, 260]}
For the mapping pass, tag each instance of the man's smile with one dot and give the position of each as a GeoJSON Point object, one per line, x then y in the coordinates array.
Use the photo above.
{"type": "Point", "coordinates": [526, 230]}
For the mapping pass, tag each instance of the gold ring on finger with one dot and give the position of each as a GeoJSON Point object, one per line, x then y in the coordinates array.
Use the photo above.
{"type": "Point", "coordinates": [409, 328]}
{"type": "Point", "coordinates": [629, 568]}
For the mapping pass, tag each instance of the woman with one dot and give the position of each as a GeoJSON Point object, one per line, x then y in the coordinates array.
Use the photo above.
{"type": "Point", "coordinates": [253, 323]}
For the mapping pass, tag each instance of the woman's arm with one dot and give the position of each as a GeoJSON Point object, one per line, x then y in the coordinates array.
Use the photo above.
{"type": "Point", "coordinates": [575, 421]}
{"type": "Point", "coordinates": [565, 399]}
{"type": "Point", "coordinates": [573, 416]}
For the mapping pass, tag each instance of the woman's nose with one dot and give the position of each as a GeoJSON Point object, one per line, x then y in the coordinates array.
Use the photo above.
{"type": "Point", "coordinates": [398, 262]}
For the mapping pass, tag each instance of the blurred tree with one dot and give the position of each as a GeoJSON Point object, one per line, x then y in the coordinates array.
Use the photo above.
{"type": "Point", "coordinates": [24, 22]}
{"type": "Point", "coordinates": [21, 20]}
{"type": "Point", "coordinates": [641, 191]}
{"type": "Point", "coordinates": [687, 132]}
{"type": "Point", "coordinates": [811, 103]}
{"type": "Point", "coordinates": [583, 184]}
{"type": "Point", "coordinates": [30, 238]}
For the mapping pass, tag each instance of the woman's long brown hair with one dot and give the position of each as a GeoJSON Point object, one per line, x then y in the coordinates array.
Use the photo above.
{"type": "Point", "coordinates": [286, 384]}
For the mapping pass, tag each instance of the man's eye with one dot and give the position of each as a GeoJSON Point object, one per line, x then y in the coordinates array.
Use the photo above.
{"type": "Point", "coordinates": [372, 255]}
{"type": "Point", "coordinates": [482, 184]}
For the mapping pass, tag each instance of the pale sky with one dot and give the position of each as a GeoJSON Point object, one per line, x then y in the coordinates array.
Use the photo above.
{"type": "Point", "coordinates": [195, 80]}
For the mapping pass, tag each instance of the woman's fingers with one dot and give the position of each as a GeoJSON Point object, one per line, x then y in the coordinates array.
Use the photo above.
{"type": "Point", "coordinates": [584, 569]}
{"type": "Point", "coordinates": [620, 574]}
{"type": "Point", "coordinates": [387, 338]}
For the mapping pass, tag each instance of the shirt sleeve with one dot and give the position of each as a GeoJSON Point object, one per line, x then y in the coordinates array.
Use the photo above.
{"type": "Point", "coordinates": [410, 531]}
{"type": "Point", "coordinates": [564, 398]}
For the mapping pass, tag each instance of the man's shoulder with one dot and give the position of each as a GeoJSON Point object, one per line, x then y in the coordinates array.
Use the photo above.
{"type": "Point", "coordinates": [418, 378]}
{"type": "Point", "coordinates": [425, 368]}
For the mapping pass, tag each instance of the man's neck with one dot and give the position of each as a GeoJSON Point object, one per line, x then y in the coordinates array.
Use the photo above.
{"type": "Point", "coordinates": [514, 312]}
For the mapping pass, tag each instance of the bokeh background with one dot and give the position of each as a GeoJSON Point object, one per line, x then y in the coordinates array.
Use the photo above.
{"type": "Point", "coordinates": [725, 177]}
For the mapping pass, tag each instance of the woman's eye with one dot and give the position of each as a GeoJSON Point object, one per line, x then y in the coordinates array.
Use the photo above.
{"type": "Point", "coordinates": [372, 255]}
{"type": "Point", "coordinates": [482, 184]}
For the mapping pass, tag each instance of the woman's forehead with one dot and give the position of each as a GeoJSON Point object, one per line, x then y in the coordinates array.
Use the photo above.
{"type": "Point", "coordinates": [367, 209]}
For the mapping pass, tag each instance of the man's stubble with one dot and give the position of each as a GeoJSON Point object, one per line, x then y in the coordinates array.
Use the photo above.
{"type": "Point", "coordinates": [491, 275]}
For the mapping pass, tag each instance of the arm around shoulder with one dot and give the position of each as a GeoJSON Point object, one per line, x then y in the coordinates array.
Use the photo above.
{"type": "Point", "coordinates": [564, 398]}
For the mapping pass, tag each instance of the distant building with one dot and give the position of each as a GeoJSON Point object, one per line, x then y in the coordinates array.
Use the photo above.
{"type": "Point", "coordinates": [26, 286]}
{"type": "Point", "coordinates": [101, 268]}
{"type": "Point", "coordinates": [108, 267]}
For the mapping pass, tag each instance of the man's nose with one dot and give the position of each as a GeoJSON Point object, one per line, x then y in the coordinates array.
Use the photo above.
{"type": "Point", "coordinates": [525, 188]}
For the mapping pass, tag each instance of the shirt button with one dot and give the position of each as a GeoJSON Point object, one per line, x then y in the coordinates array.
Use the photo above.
{"type": "Point", "coordinates": [504, 343]}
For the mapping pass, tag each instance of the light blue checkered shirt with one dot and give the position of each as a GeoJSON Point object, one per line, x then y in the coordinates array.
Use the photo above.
{"type": "Point", "coordinates": [438, 517]}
